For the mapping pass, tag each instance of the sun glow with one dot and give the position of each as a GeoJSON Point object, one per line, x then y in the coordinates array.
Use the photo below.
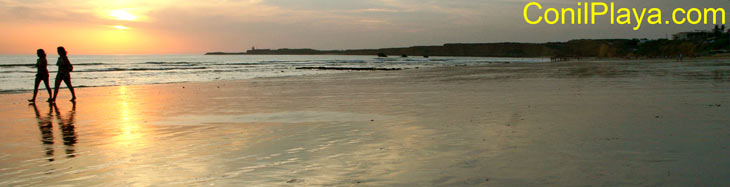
{"type": "Point", "coordinates": [122, 15]}
{"type": "Point", "coordinates": [120, 27]}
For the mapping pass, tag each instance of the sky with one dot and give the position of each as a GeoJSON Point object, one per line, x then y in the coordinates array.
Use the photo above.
{"type": "Point", "coordinates": [193, 26]}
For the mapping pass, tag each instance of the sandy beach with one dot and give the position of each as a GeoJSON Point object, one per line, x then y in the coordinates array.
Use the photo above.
{"type": "Point", "coordinates": [576, 123]}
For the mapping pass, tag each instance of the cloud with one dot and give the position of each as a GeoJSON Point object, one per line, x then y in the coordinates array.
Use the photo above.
{"type": "Point", "coordinates": [324, 24]}
{"type": "Point", "coordinates": [377, 10]}
{"type": "Point", "coordinates": [37, 13]}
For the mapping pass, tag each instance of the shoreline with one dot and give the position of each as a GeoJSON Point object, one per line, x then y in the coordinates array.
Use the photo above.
{"type": "Point", "coordinates": [109, 70]}
{"type": "Point", "coordinates": [719, 55]}
{"type": "Point", "coordinates": [165, 83]}
{"type": "Point", "coordinates": [347, 70]}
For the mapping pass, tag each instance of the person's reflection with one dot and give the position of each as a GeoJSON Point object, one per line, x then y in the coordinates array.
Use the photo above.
{"type": "Point", "coordinates": [46, 126]}
{"type": "Point", "coordinates": [68, 130]}
{"type": "Point", "coordinates": [65, 123]}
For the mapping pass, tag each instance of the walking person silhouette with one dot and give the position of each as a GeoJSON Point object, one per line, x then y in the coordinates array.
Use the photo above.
{"type": "Point", "coordinates": [41, 75]}
{"type": "Point", "coordinates": [64, 74]}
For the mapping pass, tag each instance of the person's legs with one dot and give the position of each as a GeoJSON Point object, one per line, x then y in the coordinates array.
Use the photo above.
{"type": "Point", "coordinates": [55, 89]}
{"type": "Point", "coordinates": [67, 80]}
{"type": "Point", "coordinates": [50, 97]}
{"type": "Point", "coordinates": [35, 88]}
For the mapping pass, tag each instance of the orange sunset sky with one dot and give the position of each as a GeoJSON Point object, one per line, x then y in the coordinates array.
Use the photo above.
{"type": "Point", "coordinates": [189, 26]}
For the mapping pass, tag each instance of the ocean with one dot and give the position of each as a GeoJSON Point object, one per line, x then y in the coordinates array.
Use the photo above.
{"type": "Point", "coordinates": [17, 72]}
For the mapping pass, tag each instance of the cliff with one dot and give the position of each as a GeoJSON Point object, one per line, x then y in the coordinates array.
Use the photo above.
{"type": "Point", "coordinates": [575, 48]}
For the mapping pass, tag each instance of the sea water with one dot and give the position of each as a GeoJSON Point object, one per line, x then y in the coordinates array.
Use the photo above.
{"type": "Point", "coordinates": [17, 72]}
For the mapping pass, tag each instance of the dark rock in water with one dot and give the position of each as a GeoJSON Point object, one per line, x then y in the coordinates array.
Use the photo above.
{"type": "Point", "coordinates": [295, 181]}
{"type": "Point", "coordinates": [404, 55]}
{"type": "Point", "coordinates": [382, 55]}
{"type": "Point", "coordinates": [425, 56]}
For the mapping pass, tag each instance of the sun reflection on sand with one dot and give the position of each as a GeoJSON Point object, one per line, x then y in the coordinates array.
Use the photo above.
{"type": "Point", "coordinates": [136, 148]}
{"type": "Point", "coordinates": [130, 129]}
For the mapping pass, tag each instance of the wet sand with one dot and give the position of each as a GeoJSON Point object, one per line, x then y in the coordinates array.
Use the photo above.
{"type": "Point", "coordinates": [539, 124]}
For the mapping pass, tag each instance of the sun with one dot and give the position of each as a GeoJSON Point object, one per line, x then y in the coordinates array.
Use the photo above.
{"type": "Point", "coordinates": [120, 27]}
{"type": "Point", "coordinates": [122, 15]}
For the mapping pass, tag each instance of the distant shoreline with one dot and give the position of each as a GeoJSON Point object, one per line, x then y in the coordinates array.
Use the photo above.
{"type": "Point", "coordinates": [686, 44]}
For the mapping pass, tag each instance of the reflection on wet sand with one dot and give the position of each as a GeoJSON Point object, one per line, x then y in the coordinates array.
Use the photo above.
{"type": "Point", "coordinates": [130, 134]}
{"type": "Point", "coordinates": [68, 131]}
{"type": "Point", "coordinates": [45, 125]}
{"type": "Point", "coordinates": [507, 125]}
{"type": "Point", "coordinates": [66, 125]}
